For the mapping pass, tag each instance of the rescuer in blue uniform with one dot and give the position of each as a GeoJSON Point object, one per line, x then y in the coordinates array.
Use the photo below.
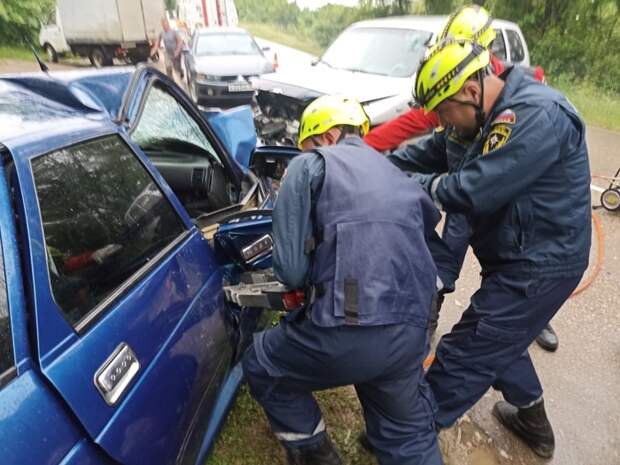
{"type": "Point", "coordinates": [524, 185]}
{"type": "Point", "coordinates": [352, 230]}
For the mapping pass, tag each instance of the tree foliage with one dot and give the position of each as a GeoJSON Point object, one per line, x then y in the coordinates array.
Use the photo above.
{"type": "Point", "coordinates": [21, 19]}
{"type": "Point", "coordinates": [578, 39]}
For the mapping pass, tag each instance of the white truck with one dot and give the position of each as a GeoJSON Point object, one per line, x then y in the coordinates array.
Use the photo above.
{"type": "Point", "coordinates": [103, 29]}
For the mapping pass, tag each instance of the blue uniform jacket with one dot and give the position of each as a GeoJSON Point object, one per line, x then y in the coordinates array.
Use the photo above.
{"type": "Point", "coordinates": [292, 223]}
{"type": "Point", "coordinates": [524, 183]}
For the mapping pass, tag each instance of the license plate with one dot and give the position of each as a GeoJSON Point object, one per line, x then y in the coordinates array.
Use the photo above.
{"type": "Point", "coordinates": [243, 87]}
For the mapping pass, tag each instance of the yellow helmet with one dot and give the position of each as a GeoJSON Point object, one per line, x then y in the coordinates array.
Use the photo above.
{"type": "Point", "coordinates": [471, 22]}
{"type": "Point", "coordinates": [445, 69]}
{"type": "Point", "coordinates": [329, 111]}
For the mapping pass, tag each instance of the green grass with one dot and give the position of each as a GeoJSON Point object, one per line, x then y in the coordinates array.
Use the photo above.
{"type": "Point", "coordinates": [275, 34]}
{"type": "Point", "coordinates": [15, 53]}
{"type": "Point", "coordinates": [247, 438]}
{"type": "Point", "coordinates": [597, 108]}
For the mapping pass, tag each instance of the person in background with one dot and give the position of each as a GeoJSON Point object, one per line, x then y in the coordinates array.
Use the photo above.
{"type": "Point", "coordinates": [173, 47]}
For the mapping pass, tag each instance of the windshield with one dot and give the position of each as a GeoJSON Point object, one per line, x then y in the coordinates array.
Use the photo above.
{"type": "Point", "coordinates": [234, 43]}
{"type": "Point", "coordinates": [389, 52]}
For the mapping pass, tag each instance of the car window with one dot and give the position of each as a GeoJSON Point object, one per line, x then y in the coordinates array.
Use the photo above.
{"type": "Point", "coordinates": [384, 51]}
{"type": "Point", "coordinates": [51, 18]}
{"type": "Point", "coordinates": [6, 342]}
{"type": "Point", "coordinates": [226, 44]}
{"type": "Point", "coordinates": [103, 218]}
{"type": "Point", "coordinates": [498, 46]}
{"type": "Point", "coordinates": [516, 46]}
{"type": "Point", "coordinates": [164, 123]}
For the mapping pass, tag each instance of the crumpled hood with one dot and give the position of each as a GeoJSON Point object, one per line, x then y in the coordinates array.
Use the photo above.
{"type": "Point", "coordinates": [232, 65]}
{"type": "Point", "coordinates": [321, 79]}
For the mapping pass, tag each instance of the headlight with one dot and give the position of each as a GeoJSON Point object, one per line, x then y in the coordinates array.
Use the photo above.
{"type": "Point", "coordinates": [206, 77]}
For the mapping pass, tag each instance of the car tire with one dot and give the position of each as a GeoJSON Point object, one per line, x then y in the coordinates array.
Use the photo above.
{"type": "Point", "coordinates": [610, 199]}
{"type": "Point", "coordinates": [52, 56]}
{"type": "Point", "coordinates": [98, 58]}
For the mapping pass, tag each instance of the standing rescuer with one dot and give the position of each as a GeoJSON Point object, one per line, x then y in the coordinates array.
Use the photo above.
{"type": "Point", "coordinates": [471, 22]}
{"type": "Point", "coordinates": [351, 229]}
{"type": "Point", "coordinates": [524, 185]}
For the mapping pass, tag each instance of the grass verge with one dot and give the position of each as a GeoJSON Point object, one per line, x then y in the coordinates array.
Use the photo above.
{"type": "Point", "coordinates": [597, 108]}
{"type": "Point", "coordinates": [247, 438]}
{"type": "Point", "coordinates": [276, 34]}
{"type": "Point", "coordinates": [15, 53]}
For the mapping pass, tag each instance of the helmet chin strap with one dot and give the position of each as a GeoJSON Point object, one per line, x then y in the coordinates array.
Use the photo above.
{"type": "Point", "coordinates": [479, 107]}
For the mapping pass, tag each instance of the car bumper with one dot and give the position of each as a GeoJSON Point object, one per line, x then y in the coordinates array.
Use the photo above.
{"type": "Point", "coordinates": [221, 95]}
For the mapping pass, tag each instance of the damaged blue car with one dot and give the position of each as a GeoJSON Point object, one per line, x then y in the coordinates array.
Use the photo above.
{"type": "Point", "coordinates": [124, 215]}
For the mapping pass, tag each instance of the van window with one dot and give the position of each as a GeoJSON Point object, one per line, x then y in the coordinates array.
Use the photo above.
{"type": "Point", "coordinates": [517, 53]}
{"type": "Point", "coordinates": [498, 46]}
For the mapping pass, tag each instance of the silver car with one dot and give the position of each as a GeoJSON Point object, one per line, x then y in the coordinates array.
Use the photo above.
{"type": "Point", "coordinates": [220, 63]}
{"type": "Point", "coordinates": [373, 61]}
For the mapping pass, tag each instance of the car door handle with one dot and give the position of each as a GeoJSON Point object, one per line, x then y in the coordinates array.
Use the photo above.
{"type": "Point", "coordinates": [115, 375]}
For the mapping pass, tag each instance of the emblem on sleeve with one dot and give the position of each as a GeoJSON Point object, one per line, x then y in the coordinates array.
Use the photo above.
{"type": "Point", "coordinates": [497, 138]}
{"type": "Point", "coordinates": [505, 117]}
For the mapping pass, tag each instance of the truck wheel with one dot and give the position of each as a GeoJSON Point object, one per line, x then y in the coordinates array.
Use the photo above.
{"type": "Point", "coordinates": [98, 58]}
{"type": "Point", "coordinates": [51, 53]}
{"type": "Point", "coordinates": [610, 199]}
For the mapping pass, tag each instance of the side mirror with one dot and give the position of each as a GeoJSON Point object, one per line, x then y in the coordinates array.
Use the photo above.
{"type": "Point", "coordinates": [271, 161]}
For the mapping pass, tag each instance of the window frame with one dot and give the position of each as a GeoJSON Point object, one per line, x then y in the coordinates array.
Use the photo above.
{"type": "Point", "coordinates": [510, 48]}
{"type": "Point", "coordinates": [87, 321]}
{"type": "Point", "coordinates": [10, 373]}
{"type": "Point", "coordinates": [234, 173]}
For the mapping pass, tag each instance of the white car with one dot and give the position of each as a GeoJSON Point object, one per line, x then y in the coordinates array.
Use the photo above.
{"type": "Point", "coordinates": [373, 61]}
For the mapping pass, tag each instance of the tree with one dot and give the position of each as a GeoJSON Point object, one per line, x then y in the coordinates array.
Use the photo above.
{"type": "Point", "coordinates": [21, 19]}
{"type": "Point", "coordinates": [171, 5]}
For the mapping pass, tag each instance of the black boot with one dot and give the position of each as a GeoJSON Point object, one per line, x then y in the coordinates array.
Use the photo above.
{"type": "Point", "coordinates": [323, 453]}
{"type": "Point", "coordinates": [547, 339]}
{"type": "Point", "coordinates": [530, 424]}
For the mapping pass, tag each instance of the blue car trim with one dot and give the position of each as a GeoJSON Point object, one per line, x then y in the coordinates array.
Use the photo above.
{"type": "Point", "coordinates": [13, 273]}
{"type": "Point", "coordinates": [224, 403]}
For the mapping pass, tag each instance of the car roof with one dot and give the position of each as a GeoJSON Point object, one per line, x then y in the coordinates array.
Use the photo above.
{"type": "Point", "coordinates": [35, 105]}
{"type": "Point", "coordinates": [432, 24]}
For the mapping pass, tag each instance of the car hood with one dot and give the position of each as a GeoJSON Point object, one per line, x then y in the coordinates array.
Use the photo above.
{"type": "Point", "coordinates": [319, 80]}
{"type": "Point", "coordinates": [231, 65]}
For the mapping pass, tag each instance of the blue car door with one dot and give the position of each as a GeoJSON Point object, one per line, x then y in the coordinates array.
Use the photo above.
{"type": "Point", "coordinates": [132, 329]}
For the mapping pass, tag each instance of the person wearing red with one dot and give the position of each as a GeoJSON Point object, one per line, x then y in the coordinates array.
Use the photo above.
{"type": "Point", "coordinates": [470, 22]}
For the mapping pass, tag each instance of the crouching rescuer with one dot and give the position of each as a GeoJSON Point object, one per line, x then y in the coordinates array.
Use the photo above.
{"type": "Point", "coordinates": [351, 229]}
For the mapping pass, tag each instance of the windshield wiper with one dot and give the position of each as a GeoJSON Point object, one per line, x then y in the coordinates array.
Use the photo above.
{"type": "Point", "coordinates": [320, 60]}
{"type": "Point", "coordinates": [359, 70]}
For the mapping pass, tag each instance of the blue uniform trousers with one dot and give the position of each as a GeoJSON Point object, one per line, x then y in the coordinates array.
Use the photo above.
{"type": "Point", "coordinates": [488, 346]}
{"type": "Point", "coordinates": [286, 363]}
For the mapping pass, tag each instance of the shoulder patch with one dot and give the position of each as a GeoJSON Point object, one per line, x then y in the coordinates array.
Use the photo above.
{"type": "Point", "coordinates": [505, 117]}
{"type": "Point", "coordinates": [498, 136]}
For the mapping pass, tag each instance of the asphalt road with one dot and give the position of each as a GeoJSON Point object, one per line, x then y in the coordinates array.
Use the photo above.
{"type": "Point", "coordinates": [582, 379]}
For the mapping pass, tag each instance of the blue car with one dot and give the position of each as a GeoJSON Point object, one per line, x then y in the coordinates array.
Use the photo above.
{"type": "Point", "coordinates": [124, 215]}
